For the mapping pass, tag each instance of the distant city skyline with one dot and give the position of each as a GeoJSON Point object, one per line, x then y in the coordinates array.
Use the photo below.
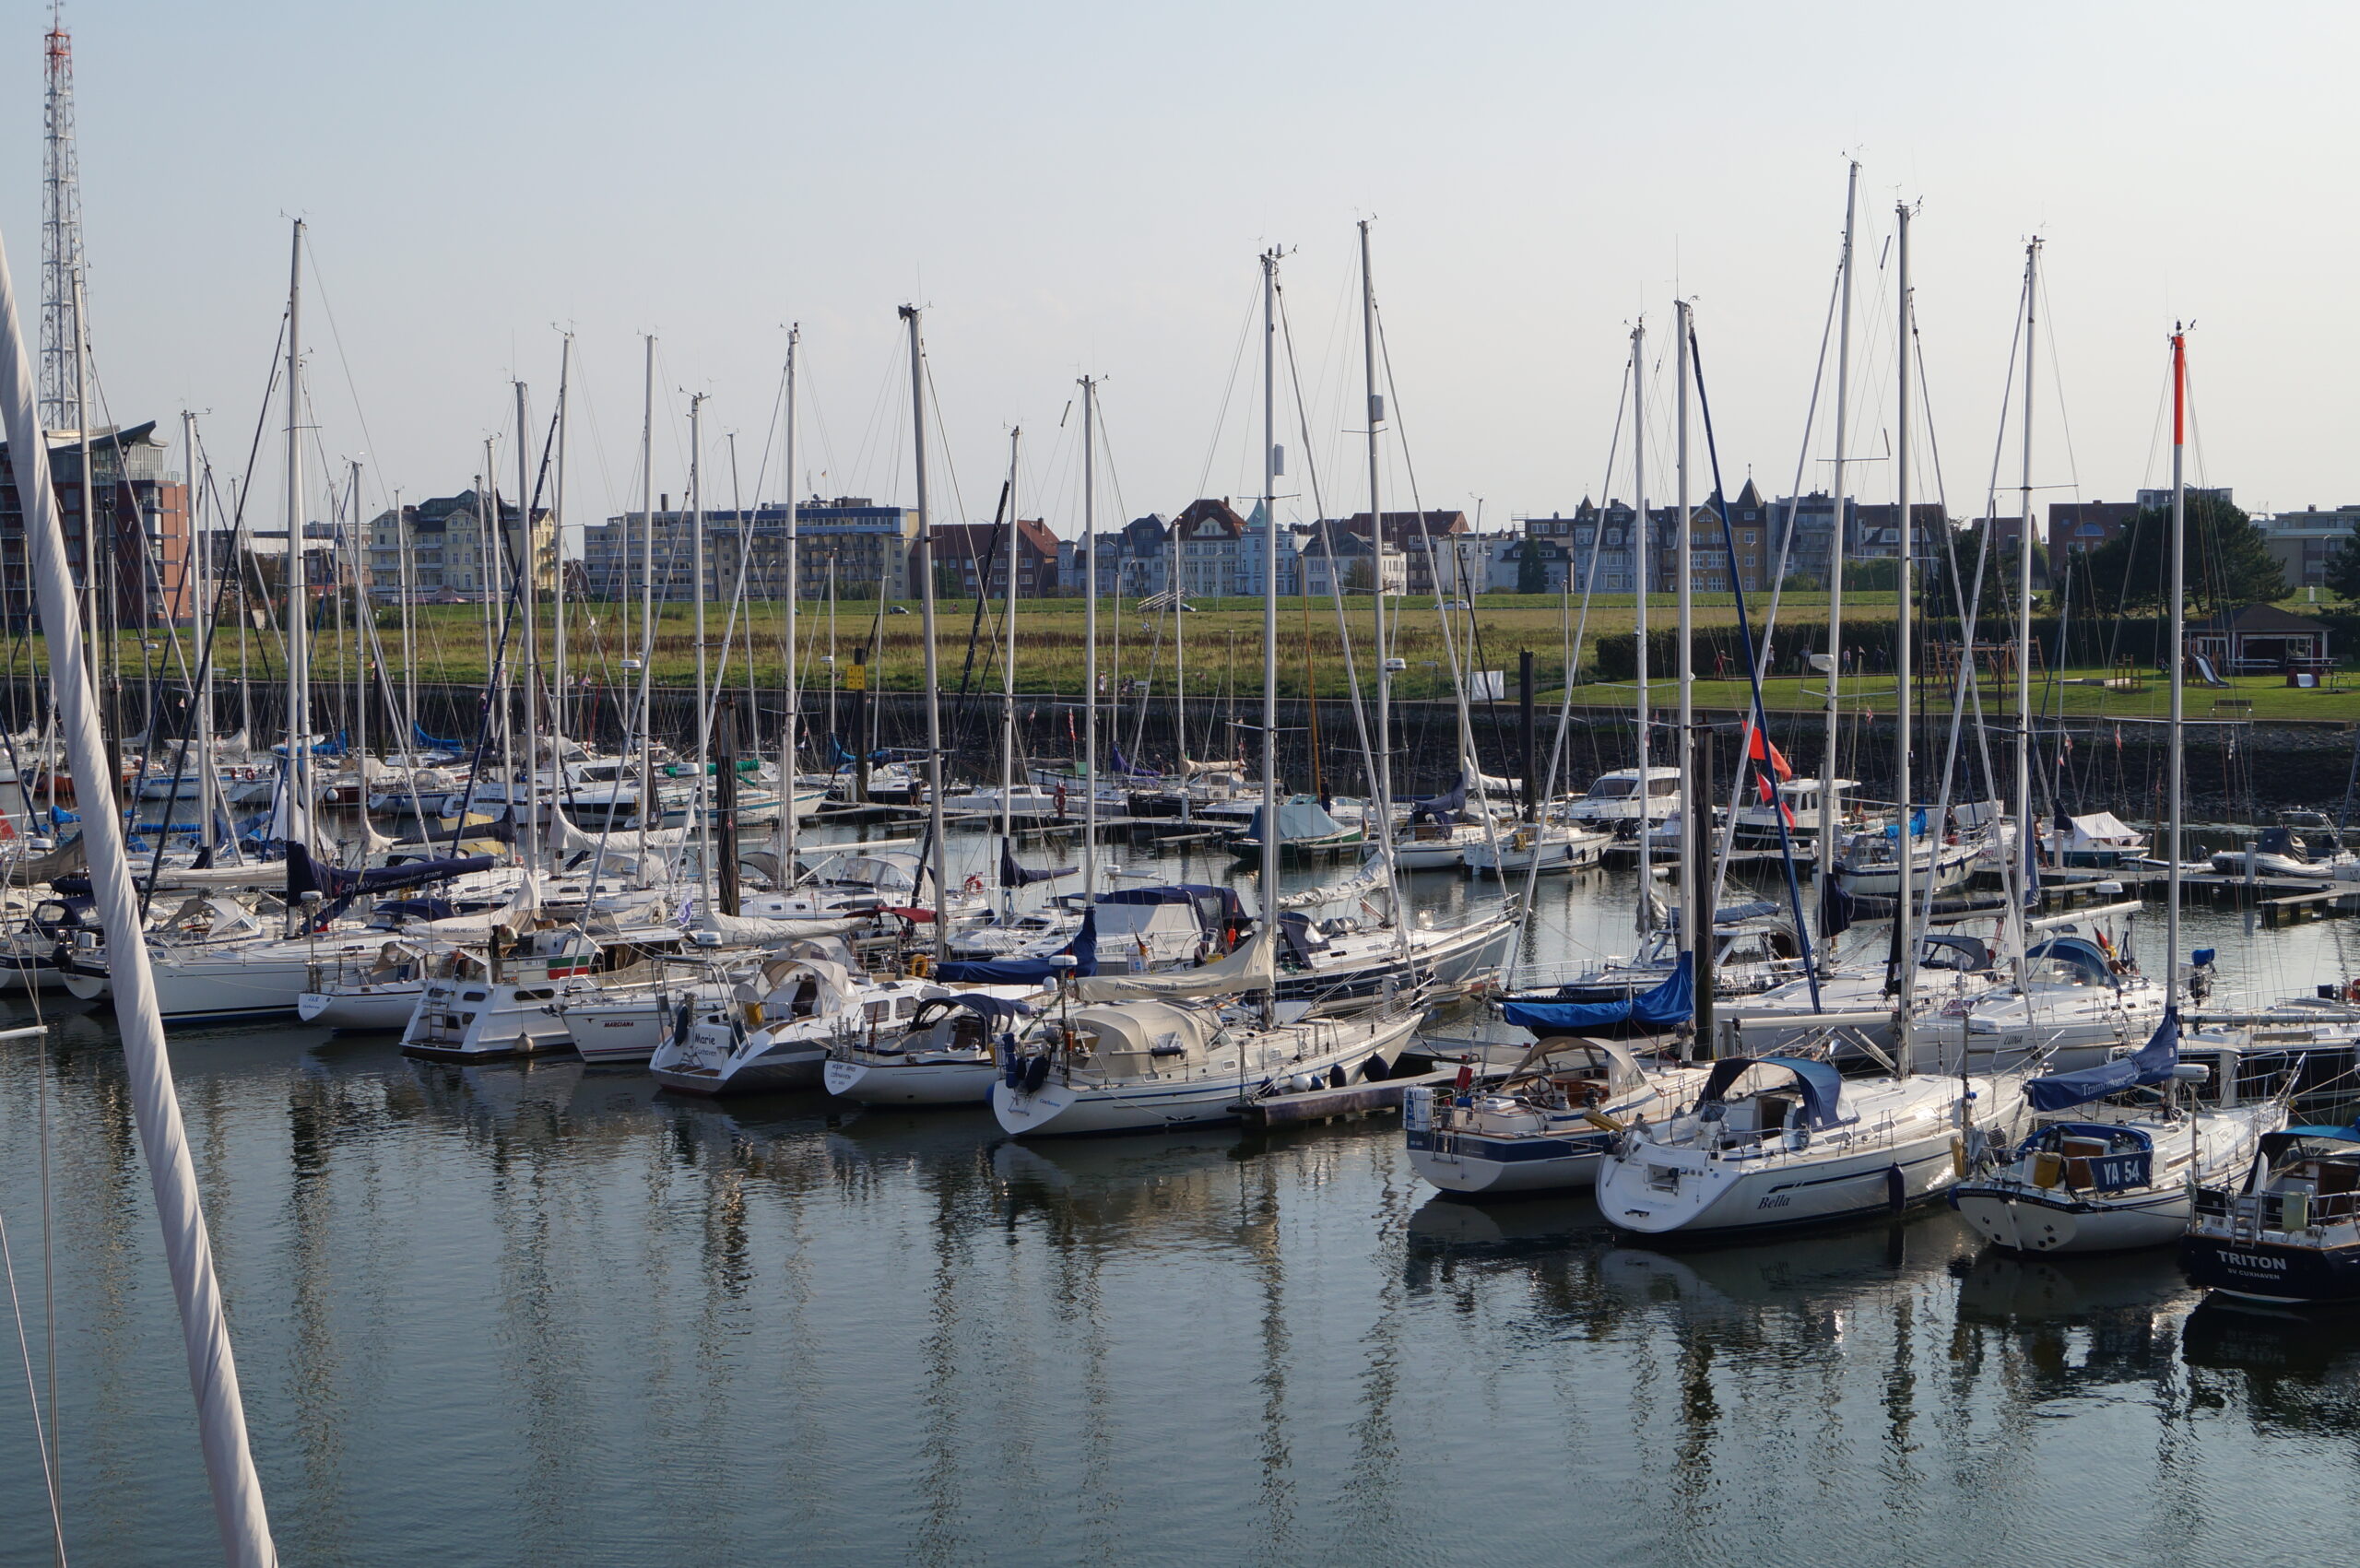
{"type": "Point", "coordinates": [1069, 191]}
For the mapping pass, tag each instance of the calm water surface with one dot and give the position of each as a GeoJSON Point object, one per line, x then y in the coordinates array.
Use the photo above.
{"type": "Point", "coordinates": [539, 1314]}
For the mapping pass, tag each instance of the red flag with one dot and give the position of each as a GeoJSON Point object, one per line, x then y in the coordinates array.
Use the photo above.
{"type": "Point", "coordinates": [1760, 750]}
{"type": "Point", "coordinates": [1761, 782]}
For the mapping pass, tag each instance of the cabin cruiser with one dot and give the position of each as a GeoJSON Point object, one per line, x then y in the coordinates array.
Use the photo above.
{"type": "Point", "coordinates": [1616, 804]}
{"type": "Point", "coordinates": [2288, 1231]}
{"type": "Point", "coordinates": [776, 1032]}
{"type": "Point", "coordinates": [2110, 1162]}
{"type": "Point", "coordinates": [1758, 821]}
{"type": "Point", "coordinates": [2098, 841]}
{"type": "Point", "coordinates": [1547, 1125]}
{"type": "Point", "coordinates": [380, 990]}
{"type": "Point", "coordinates": [512, 1008]}
{"type": "Point", "coordinates": [1777, 1141]}
{"type": "Point", "coordinates": [1346, 961]}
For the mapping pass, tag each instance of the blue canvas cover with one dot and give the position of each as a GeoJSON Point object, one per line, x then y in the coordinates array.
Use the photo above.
{"type": "Point", "coordinates": [2152, 1063]}
{"type": "Point", "coordinates": [1673, 1002]}
{"type": "Point", "coordinates": [1083, 950]}
{"type": "Point", "coordinates": [1124, 766]}
{"type": "Point", "coordinates": [1820, 1084]}
{"type": "Point", "coordinates": [1217, 908]}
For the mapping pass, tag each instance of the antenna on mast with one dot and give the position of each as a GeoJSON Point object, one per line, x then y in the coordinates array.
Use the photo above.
{"type": "Point", "coordinates": [61, 237]}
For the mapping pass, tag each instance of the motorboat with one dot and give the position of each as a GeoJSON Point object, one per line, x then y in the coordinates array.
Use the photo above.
{"type": "Point", "coordinates": [2288, 1231]}
{"type": "Point", "coordinates": [776, 1032]}
{"type": "Point", "coordinates": [512, 1008]}
{"type": "Point", "coordinates": [1757, 823]}
{"type": "Point", "coordinates": [1868, 863]}
{"type": "Point", "coordinates": [2097, 840]}
{"type": "Point", "coordinates": [2282, 851]}
{"type": "Point", "coordinates": [1547, 1125]}
{"type": "Point", "coordinates": [1617, 802]}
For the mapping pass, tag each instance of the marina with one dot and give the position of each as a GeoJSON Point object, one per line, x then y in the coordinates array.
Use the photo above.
{"type": "Point", "coordinates": [647, 916]}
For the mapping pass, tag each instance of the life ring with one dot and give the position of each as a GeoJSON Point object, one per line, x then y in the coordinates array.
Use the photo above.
{"type": "Point", "coordinates": [973, 884]}
{"type": "Point", "coordinates": [2352, 991]}
{"type": "Point", "coordinates": [920, 965]}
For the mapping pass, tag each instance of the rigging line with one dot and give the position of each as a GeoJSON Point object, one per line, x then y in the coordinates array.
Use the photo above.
{"type": "Point", "coordinates": [344, 362]}
{"type": "Point", "coordinates": [2057, 384]}
{"type": "Point", "coordinates": [33, 1391]}
{"type": "Point", "coordinates": [1229, 392]}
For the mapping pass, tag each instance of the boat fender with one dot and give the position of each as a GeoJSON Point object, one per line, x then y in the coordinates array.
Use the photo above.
{"type": "Point", "coordinates": [1896, 1188]}
{"type": "Point", "coordinates": [1037, 1073]}
{"type": "Point", "coordinates": [1958, 1156]}
{"type": "Point", "coordinates": [1336, 1077]}
{"type": "Point", "coordinates": [1012, 1074]}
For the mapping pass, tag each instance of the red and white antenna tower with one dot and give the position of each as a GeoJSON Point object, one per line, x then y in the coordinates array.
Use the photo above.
{"type": "Point", "coordinates": [61, 240]}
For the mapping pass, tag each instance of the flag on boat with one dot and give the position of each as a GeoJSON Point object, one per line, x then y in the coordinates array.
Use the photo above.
{"type": "Point", "coordinates": [1759, 749]}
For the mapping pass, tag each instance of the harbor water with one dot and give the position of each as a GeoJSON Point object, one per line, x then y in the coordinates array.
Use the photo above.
{"type": "Point", "coordinates": [542, 1313]}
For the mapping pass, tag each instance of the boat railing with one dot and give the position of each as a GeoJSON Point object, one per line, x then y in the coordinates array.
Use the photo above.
{"type": "Point", "coordinates": [2285, 1212]}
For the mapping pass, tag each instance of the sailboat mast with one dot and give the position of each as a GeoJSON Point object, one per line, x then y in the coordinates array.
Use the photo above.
{"type": "Point", "coordinates": [940, 863]}
{"type": "Point", "coordinates": [1089, 640]}
{"type": "Point", "coordinates": [650, 809]}
{"type": "Point", "coordinates": [298, 619]}
{"type": "Point", "coordinates": [1271, 463]}
{"type": "Point", "coordinates": [532, 562]}
{"type": "Point", "coordinates": [556, 526]}
{"type": "Point", "coordinates": [360, 637]}
{"type": "Point", "coordinates": [1639, 556]}
{"type": "Point", "coordinates": [1827, 811]}
{"type": "Point", "coordinates": [2179, 675]}
{"type": "Point", "coordinates": [1008, 668]}
{"type": "Point", "coordinates": [1903, 913]}
{"type": "Point", "coordinates": [1696, 917]}
{"type": "Point", "coordinates": [2027, 828]}
{"type": "Point", "coordinates": [1383, 780]}
{"type": "Point", "coordinates": [200, 619]}
{"type": "Point", "coordinates": [794, 667]}
{"type": "Point", "coordinates": [696, 583]}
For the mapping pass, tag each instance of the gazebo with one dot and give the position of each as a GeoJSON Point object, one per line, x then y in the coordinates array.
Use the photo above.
{"type": "Point", "coordinates": [2259, 640]}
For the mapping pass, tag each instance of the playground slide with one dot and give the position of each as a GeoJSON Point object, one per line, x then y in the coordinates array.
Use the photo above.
{"type": "Point", "coordinates": [2204, 671]}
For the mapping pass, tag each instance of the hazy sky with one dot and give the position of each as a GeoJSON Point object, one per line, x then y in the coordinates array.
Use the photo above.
{"type": "Point", "coordinates": [1075, 188]}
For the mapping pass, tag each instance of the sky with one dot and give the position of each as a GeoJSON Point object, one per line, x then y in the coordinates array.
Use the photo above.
{"type": "Point", "coordinates": [1073, 190]}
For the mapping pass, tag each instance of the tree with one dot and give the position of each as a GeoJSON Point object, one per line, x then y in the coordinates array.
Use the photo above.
{"type": "Point", "coordinates": [1872, 576]}
{"type": "Point", "coordinates": [1359, 577]}
{"type": "Point", "coordinates": [2343, 567]}
{"type": "Point", "coordinates": [2227, 561]}
{"type": "Point", "coordinates": [1531, 572]}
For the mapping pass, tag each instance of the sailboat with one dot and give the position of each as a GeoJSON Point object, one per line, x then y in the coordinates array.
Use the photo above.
{"type": "Point", "coordinates": [1786, 1140]}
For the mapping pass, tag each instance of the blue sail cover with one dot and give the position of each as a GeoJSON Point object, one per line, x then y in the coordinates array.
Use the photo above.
{"type": "Point", "coordinates": [1083, 950]}
{"type": "Point", "coordinates": [1672, 1002]}
{"type": "Point", "coordinates": [1011, 875]}
{"type": "Point", "coordinates": [2152, 1063]}
{"type": "Point", "coordinates": [1821, 1086]}
{"type": "Point", "coordinates": [1125, 768]}
{"type": "Point", "coordinates": [436, 741]}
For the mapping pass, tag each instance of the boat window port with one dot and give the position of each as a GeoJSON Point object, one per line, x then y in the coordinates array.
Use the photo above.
{"type": "Point", "coordinates": [541, 995]}
{"type": "Point", "coordinates": [473, 995]}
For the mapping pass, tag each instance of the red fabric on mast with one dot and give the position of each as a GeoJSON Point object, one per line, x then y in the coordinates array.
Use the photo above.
{"type": "Point", "coordinates": [1760, 750]}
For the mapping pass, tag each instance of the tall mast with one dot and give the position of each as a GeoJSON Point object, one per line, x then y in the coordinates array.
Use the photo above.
{"type": "Point", "coordinates": [2027, 829]}
{"type": "Point", "coordinates": [532, 562]}
{"type": "Point", "coordinates": [359, 639]}
{"type": "Point", "coordinates": [556, 526]}
{"type": "Point", "coordinates": [696, 582]}
{"type": "Point", "coordinates": [1903, 913]}
{"type": "Point", "coordinates": [1828, 812]}
{"type": "Point", "coordinates": [238, 1508]}
{"type": "Point", "coordinates": [794, 669]}
{"type": "Point", "coordinates": [299, 609]}
{"type": "Point", "coordinates": [1089, 640]}
{"type": "Point", "coordinates": [2180, 630]}
{"type": "Point", "coordinates": [1639, 548]}
{"type": "Point", "coordinates": [1272, 463]}
{"type": "Point", "coordinates": [940, 863]}
{"type": "Point", "coordinates": [403, 564]}
{"type": "Point", "coordinates": [1695, 917]}
{"type": "Point", "coordinates": [200, 618]}
{"type": "Point", "coordinates": [1007, 668]}
{"type": "Point", "coordinates": [1383, 780]}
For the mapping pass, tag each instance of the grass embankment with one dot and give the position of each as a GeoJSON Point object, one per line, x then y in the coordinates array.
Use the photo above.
{"type": "Point", "coordinates": [1223, 653]}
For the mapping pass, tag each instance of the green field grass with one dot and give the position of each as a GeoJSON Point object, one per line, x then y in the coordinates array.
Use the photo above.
{"type": "Point", "coordinates": [1223, 650]}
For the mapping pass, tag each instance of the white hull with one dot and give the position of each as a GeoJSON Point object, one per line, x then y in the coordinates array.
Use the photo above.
{"type": "Point", "coordinates": [2057, 1223]}
{"type": "Point", "coordinates": [1212, 1094]}
{"type": "Point", "coordinates": [386, 1007]}
{"type": "Point", "coordinates": [1552, 854]}
{"type": "Point", "coordinates": [910, 1083]}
